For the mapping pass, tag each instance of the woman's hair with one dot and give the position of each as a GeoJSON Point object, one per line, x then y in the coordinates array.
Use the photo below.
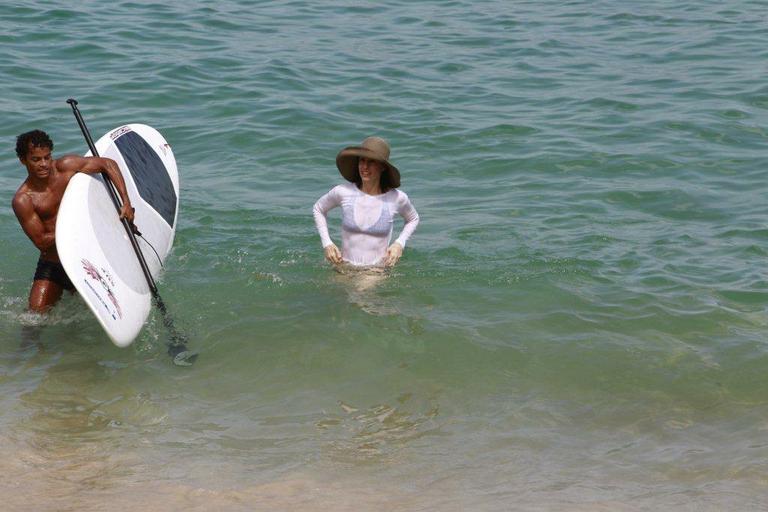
{"type": "Point", "coordinates": [36, 138]}
{"type": "Point", "coordinates": [385, 182]}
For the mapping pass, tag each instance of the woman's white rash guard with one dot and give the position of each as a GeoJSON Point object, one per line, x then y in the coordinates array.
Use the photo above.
{"type": "Point", "coordinates": [366, 222]}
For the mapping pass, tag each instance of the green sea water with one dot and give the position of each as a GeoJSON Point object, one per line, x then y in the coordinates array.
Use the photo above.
{"type": "Point", "coordinates": [577, 324]}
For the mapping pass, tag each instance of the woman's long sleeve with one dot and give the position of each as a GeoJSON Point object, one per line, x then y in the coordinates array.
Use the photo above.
{"type": "Point", "coordinates": [410, 215]}
{"type": "Point", "coordinates": [329, 201]}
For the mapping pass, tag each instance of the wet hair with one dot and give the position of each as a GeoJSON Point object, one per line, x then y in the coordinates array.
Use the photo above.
{"type": "Point", "coordinates": [385, 182]}
{"type": "Point", "coordinates": [37, 138]}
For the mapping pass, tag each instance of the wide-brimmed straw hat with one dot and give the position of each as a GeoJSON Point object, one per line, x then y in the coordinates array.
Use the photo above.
{"type": "Point", "coordinates": [373, 148]}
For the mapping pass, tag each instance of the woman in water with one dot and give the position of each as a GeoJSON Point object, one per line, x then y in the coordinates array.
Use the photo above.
{"type": "Point", "coordinates": [368, 203]}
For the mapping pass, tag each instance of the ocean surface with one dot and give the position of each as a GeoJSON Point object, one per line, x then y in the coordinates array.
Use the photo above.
{"type": "Point", "coordinates": [579, 322]}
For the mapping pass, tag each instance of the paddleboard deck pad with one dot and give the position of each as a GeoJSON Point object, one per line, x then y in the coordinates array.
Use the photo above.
{"type": "Point", "coordinates": [93, 246]}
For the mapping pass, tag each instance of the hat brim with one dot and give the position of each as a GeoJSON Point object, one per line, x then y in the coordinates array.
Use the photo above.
{"type": "Point", "coordinates": [346, 162]}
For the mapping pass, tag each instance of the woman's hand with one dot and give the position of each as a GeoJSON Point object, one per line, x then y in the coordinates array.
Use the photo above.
{"type": "Point", "coordinates": [333, 254]}
{"type": "Point", "coordinates": [394, 252]}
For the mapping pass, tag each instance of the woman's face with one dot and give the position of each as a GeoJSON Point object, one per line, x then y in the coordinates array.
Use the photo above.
{"type": "Point", "coordinates": [370, 170]}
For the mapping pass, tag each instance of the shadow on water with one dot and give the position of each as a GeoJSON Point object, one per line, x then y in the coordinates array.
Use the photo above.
{"type": "Point", "coordinates": [66, 409]}
{"type": "Point", "coordinates": [87, 422]}
{"type": "Point", "coordinates": [376, 433]}
{"type": "Point", "coordinates": [71, 431]}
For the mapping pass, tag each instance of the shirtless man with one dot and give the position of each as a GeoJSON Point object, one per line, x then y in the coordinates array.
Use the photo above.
{"type": "Point", "coordinates": [36, 205]}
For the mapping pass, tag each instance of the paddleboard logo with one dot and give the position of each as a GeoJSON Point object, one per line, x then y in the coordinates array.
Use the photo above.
{"type": "Point", "coordinates": [107, 283]}
{"type": "Point", "coordinates": [120, 131]}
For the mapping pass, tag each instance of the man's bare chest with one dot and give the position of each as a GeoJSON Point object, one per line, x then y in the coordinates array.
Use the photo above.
{"type": "Point", "coordinates": [46, 202]}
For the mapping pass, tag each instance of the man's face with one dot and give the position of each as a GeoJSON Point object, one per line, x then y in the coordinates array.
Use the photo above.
{"type": "Point", "coordinates": [39, 161]}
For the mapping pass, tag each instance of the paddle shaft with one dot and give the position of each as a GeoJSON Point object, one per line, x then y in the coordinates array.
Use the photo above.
{"type": "Point", "coordinates": [129, 231]}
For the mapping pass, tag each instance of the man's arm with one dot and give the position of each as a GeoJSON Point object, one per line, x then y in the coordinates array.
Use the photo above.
{"type": "Point", "coordinates": [92, 165]}
{"type": "Point", "coordinates": [32, 225]}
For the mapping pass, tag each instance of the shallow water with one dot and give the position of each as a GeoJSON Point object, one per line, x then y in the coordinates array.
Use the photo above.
{"type": "Point", "coordinates": [578, 322]}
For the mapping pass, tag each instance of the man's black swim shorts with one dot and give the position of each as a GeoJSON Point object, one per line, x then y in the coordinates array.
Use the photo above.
{"type": "Point", "coordinates": [53, 271]}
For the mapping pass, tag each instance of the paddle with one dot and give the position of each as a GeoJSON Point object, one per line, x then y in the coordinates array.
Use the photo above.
{"type": "Point", "coordinates": [177, 348]}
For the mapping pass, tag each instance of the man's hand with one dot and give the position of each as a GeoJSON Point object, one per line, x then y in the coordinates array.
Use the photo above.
{"type": "Point", "coordinates": [333, 254]}
{"type": "Point", "coordinates": [394, 252]}
{"type": "Point", "coordinates": [127, 212]}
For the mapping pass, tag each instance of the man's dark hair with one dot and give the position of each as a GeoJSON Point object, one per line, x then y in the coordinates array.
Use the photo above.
{"type": "Point", "coordinates": [37, 138]}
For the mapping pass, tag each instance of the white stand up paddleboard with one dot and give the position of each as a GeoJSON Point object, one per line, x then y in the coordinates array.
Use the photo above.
{"type": "Point", "coordinates": [93, 246]}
